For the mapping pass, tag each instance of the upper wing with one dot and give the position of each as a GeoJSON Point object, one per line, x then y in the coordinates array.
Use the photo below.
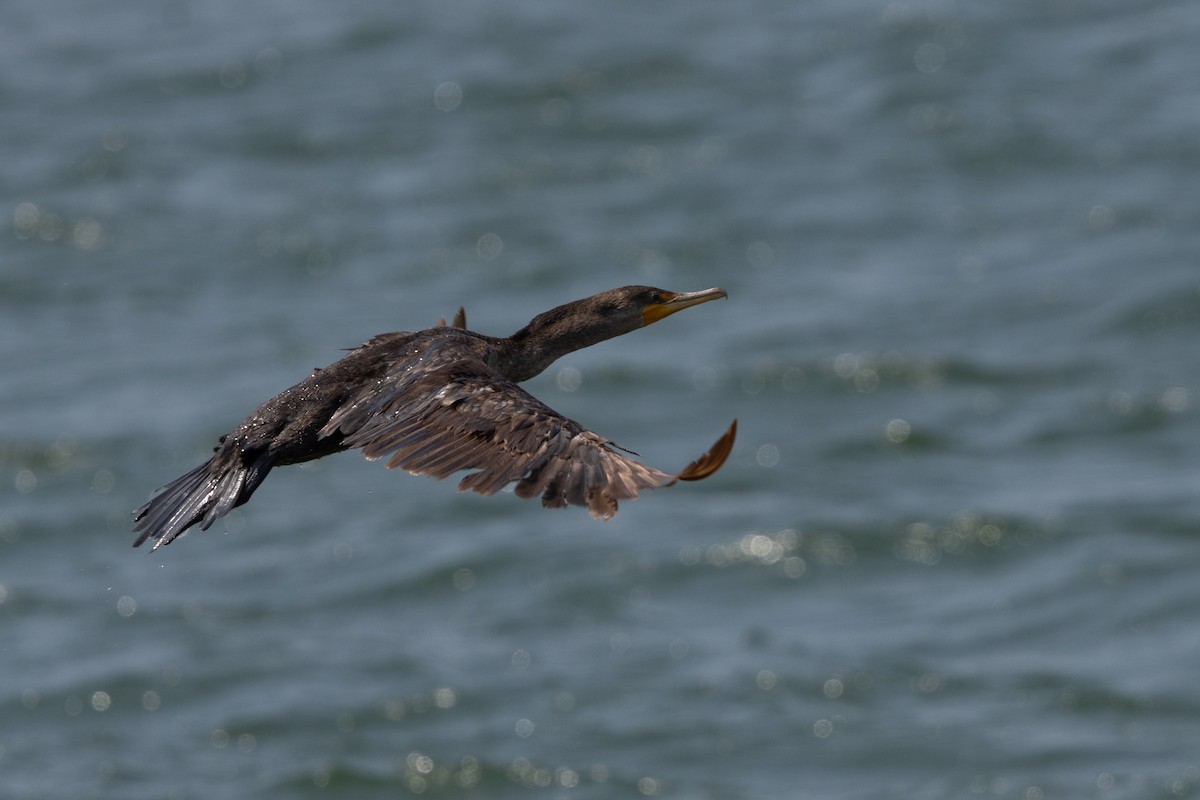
{"type": "Point", "coordinates": [466, 416]}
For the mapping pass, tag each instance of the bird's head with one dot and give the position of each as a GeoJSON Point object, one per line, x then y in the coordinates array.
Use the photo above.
{"type": "Point", "coordinates": [585, 322]}
{"type": "Point", "coordinates": [615, 312]}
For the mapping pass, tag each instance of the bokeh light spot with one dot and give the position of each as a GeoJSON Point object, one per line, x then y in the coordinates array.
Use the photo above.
{"type": "Point", "coordinates": [568, 379]}
{"type": "Point", "coordinates": [767, 455]}
{"type": "Point", "coordinates": [25, 481]}
{"type": "Point", "coordinates": [101, 701]}
{"type": "Point", "coordinates": [447, 96]}
{"type": "Point", "coordinates": [489, 246]}
{"type": "Point", "coordinates": [649, 786]}
{"type": "Point", "coordinates": [930, 57]}
{"type": "Point", "coordinates": [898, 431]}
{"type": "Point", "coordinates": [464, 579]}
{"type": "Point", "coordinates": [126, 605]}
{"type": "Point", "coordinates": [444, 697]}
{"type": "Point", "coordinates": [103, 481]}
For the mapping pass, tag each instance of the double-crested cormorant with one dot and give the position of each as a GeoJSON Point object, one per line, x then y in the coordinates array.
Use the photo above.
{"type": "Point", "coordinates": [436, 402]}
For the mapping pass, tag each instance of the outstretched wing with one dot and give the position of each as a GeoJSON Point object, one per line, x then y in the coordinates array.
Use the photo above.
{"type": "Point", "coordinates": [464, 415]}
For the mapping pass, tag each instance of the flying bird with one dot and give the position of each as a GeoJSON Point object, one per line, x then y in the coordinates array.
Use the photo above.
{"type": "Point", "coordinates": [436, 402]}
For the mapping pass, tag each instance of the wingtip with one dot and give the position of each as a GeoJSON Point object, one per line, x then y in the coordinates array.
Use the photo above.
{"type": "Point", "coordinates": [145, 537]}
{"type": "Point", "coordinates": [711, 461]}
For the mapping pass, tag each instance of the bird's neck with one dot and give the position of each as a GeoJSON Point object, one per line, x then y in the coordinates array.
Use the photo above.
{"type": "Point", "coordinates": [547, 338]}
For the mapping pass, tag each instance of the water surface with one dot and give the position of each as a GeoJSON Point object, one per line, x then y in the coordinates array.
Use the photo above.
{"type": "Point", "coordinates": [954, 552]}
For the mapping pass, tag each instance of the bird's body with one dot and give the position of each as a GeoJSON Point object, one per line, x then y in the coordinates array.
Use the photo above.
{"type": "Point", "coordinates": [436, 402]}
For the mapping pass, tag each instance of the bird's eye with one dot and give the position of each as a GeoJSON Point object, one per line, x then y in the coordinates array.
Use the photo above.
{"type": "Point", "coordinates": [656, 297]}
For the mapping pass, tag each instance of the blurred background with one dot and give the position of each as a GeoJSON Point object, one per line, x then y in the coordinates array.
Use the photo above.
{"type": "Point", "coordinates": [953, 554]}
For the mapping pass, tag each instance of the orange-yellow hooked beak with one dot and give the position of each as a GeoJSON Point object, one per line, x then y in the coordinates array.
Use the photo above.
{"type": "Point", "coordinates": [678, 302]}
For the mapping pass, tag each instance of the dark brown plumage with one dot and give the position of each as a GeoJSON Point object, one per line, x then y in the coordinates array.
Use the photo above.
{"type": "Point", "coordinates": [437, 402]}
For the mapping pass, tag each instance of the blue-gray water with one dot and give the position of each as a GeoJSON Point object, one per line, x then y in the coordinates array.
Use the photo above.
{"type": "Point", "coordinates": [954, 553]}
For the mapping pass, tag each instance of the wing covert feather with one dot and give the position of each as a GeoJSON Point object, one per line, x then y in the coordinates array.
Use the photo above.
{"type": "Point", "coordinates": [463, 415]}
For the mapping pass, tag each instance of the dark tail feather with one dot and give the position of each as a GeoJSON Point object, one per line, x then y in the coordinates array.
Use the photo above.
{"type": "Point", "coordinates": [203, 495]}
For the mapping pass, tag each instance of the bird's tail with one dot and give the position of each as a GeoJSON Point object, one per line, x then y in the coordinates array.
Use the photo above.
{"type": "Point", "coordinates": [203, 495]}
